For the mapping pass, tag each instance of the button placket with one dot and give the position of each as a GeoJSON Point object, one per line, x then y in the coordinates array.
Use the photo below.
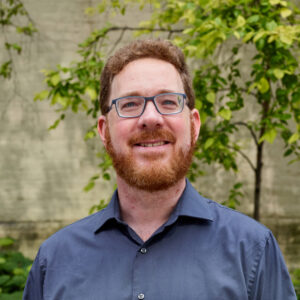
{"type": "Point", "coordinates": [141, 260]}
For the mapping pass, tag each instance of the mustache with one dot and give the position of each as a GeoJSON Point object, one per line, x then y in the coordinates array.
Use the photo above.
{"type": "Point", "coordinates": [159, 134]}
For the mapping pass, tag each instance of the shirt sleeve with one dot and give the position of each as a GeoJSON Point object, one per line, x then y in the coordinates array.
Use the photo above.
{"type": "Point", "coordinates": [271, 279]}
{"type": "Point", "coordinates": [34, 285]}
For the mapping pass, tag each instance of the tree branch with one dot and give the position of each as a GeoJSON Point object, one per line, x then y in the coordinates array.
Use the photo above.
{"type": "Point", "coordinates": [250, 129]}
{"type": "Point", "coordinates": [117, 41]}
{"type": "Point", "coordinates": [245, 157]}
{"type": "Point", "coordinates": [116, 28]}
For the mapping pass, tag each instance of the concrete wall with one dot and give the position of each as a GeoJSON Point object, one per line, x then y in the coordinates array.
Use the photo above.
{"type": "Point", "coordinates": [43, 173]}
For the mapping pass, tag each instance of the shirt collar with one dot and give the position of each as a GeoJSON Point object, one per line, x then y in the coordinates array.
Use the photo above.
{"type": "Point", "coordinates": [110, 212]}
{"type": "Point", "coordinates": [190, 204]}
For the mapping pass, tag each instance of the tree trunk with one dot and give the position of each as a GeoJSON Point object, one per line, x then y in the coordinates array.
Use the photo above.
{"type": "Point", "coordinates": [259, 162]}
{"type": "Point", "coordinates": [258, 179]}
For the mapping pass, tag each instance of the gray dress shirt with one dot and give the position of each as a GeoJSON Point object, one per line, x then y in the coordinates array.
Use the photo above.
{"type": "Point", "coordinates": [204, 251]}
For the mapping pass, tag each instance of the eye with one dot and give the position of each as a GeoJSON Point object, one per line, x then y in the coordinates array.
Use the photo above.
{"type": "Point", "coordinates": [169, 102]}
{"type": "Point", "coordinates": [129, 104]}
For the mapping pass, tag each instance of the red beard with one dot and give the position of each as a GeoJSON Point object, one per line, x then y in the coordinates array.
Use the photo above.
{"type": "Point", "coordinates": [157, 176]}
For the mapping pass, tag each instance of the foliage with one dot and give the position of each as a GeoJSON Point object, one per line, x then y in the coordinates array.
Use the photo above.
{"type": "Point", "coordinates": [234, 195]}
{"type": "Point", "coordinates": [14, 269]}
{"type": "Point", "coordinates": [296, 282]}
{"type": "Point", "coordinates": [13, 15]}
{"type": "Point", "coordinates": [215, 36]}
{"type": "Point", "coordinates": [102, 204]}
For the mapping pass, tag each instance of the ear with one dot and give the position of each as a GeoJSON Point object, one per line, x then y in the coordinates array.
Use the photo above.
{"type": "Point", "coordinates": [195, 118]}
{"type": "Point", "coordinates": [102, 124]}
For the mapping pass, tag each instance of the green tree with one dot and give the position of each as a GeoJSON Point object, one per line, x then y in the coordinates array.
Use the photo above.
{"type": "Point", "coordinates": [214, 36]}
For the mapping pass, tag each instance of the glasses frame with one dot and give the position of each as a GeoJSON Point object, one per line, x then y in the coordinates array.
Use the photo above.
{"type": "Point", "coordinates": [146, 99]}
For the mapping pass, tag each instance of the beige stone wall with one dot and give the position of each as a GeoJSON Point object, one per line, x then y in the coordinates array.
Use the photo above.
{"type": "Point", "coordinates": [43, 173]}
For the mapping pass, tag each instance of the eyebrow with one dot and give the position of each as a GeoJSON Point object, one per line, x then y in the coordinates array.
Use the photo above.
{"type": "Point", "coordinates": [137, 93]}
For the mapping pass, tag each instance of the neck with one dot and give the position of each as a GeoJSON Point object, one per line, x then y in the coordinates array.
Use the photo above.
{"type": "Point", "coordinates": [146, 211]}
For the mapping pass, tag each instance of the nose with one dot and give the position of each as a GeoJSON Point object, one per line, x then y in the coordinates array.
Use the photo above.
{"type": "Point", "coordinates": [151, 118]}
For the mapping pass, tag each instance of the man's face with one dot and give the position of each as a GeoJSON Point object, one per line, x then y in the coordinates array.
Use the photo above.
{"type": "Point", "coordinates": [151, 152]}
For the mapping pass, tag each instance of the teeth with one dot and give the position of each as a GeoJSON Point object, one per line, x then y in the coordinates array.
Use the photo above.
{"type": "Point", "coordinates": [152, 144]}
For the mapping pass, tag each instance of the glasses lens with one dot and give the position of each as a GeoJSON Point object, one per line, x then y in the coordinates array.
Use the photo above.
{"type": "Point", "coordinates": [169, 103]}
{"type": "Point", "coordinates": [131, 106]}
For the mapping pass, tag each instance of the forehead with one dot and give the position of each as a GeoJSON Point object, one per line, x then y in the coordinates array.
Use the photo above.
{"type": "Point", "coordinates": [146, 77]}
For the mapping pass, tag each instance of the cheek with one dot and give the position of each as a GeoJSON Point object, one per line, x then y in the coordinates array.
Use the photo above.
{"type": "Point", "coordinates": [183, 134]}
{"type": "Point", "coordinates": [120, 133]}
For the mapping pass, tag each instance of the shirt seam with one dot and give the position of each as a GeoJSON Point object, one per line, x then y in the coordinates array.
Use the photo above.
{"type": "Point", "coordinates": [43, 267]}
{"type": "Point", "coordinates": [253, 273]}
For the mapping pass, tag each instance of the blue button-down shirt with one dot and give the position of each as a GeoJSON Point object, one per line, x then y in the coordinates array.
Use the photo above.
{"type": "Point", "coordinates": [204, 251]}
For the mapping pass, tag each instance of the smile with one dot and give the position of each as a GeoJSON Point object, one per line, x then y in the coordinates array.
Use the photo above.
{"type": "Point", "coordinates": [156, 144]}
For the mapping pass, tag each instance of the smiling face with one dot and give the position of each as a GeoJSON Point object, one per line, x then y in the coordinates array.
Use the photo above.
{"type": "Point", "coordinates": [153, 151]}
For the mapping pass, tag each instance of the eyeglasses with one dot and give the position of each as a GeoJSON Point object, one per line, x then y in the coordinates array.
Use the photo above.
{"type": "Point", "coordinates": [134, 106]}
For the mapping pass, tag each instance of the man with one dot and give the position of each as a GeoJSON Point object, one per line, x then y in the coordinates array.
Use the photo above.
{"type": "Point", "coordinates": [158, 238]}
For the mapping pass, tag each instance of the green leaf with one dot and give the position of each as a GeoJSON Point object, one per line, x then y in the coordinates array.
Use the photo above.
{"type": "Point", "coordinates": [2, 260]}
{"type": "Point", "coordinates": [259, 35]}
{"type": "Point", "coordinates": [269, 136]}
{"type": "Point", "coordinates": [240, 22]}
{"type": "Point", "coordinates": [106, 176]}
{"type": "Point", "coordinates": [57, 98]}
{"type": "Point", "coordinates": [208, 143]}
{"type": "Point", "coordinates": [295, 137]}
{"type": "Point", "coordinates": [211, 97]}
{"type": "Point", "coordinates": [285, 12]}
{"type": "Point", "coordinates": [203, 116]}
{"type": "Point", "coordinates": [288, 152]}
{"type": "Point", "coordinates": [278, 73]}
{"type": "Point", "coordinates": [91, 92]}
{"type": "Point", "coordinates": [248, 36]}
{"type": "Point", "coordinates": [238, 185]}
{"type": "Point", "coordinates": [89, 186]}
{"type": "Point", "coordinates": [5, 242]}
{"type": "Point", "coordinates": [95, 177]}
{"type": "Point", "coordinates": [274, 2]}
{"type": "Point", "coordinates": [90, 11]}
{"type": "Point", "coordinates": [18, 271]}
{"type": "Point", "coordinates": [198, 104]}
{"type": "Point", "coordinates": [55, 79]}
{"type": "Point", "coordinates": [263, 85]}
{"type": "Point", "coordinates": [237, 34]}
{"type": "Point", "coordinates": [271, 25]}
{"type": "Point", "coordinates": [41, 96]}
{"type": "Point", "coordinates": [225, 114]}
{"type": "Point", "coordinates": [54, 125]}
{"type": "Point", "coordinates": [89, 135]}
{"type": "Point", "coordinates": [286, 35]}
{"type": "Point", "coordinates": [253, 19]}
{"type": "Point", "coordinates": [6, 69]}
{"type": "Point", "coordinates": [189, 30]}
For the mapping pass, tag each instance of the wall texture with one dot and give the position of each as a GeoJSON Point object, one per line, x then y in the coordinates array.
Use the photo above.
{"type": "Point", "coordinates": [43, 172]}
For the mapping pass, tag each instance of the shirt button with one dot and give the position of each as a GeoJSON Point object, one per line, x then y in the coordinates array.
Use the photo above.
{"type": "Point", "coordinates": [144, 251]}
{"type": "Point", "coordinates": [141, 296]}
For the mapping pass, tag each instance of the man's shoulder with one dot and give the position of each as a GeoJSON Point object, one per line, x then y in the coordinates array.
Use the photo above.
{"type": "Point", "coordinates": [219, 217]}
{"type": "Point", "coordinates": [84, 227]}
{"type": "Point", "coordinates": [235, 224]}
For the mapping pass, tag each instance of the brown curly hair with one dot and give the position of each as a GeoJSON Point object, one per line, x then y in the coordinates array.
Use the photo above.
{"type": "Point", "coordinates": [159, 49]}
